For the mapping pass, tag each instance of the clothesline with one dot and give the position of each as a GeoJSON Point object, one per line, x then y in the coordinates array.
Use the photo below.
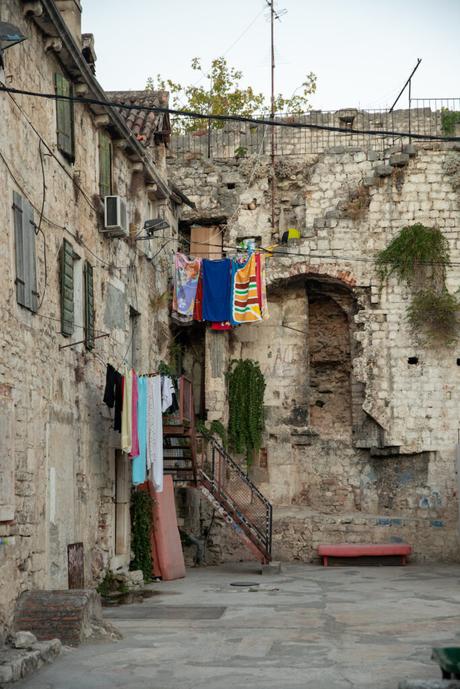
{"type": "Point", "coordinates": [225, 292]}
{"type": "Point", "coordinates": [139, 402]}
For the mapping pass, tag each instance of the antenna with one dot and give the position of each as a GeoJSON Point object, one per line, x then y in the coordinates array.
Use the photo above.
{"type": "Point", "coordinates": [274, 14]}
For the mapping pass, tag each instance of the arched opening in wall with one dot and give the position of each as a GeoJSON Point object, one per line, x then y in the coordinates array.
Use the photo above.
{"type": "Point", "coordinates": [330, 403]}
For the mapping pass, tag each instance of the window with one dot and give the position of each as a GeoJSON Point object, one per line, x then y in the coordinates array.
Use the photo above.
{"type": "Point", "coordinates": [89, 306]}
{"type": "Point", "coordinates": [72, 293]}
{"type": "Point", "coordinates": [105, 164]}
{"type": "Point", "coordinates": [67, 289]}
{"type": "Point", "coordinates": [24, 241]}
{"type": "Point", "coordinates": [64, 117]}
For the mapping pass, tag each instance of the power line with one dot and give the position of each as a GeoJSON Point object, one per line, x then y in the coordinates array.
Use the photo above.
{"type": "Point", "coordinates": [228, 118]}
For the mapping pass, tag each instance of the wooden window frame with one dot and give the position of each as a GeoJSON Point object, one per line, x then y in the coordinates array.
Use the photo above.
{"type": "Point", "coordinates": [105, 164]}
{"type": "Point", "coordinates": [65, 125]}
{"type": "Point", "coordinates": [25, 253]}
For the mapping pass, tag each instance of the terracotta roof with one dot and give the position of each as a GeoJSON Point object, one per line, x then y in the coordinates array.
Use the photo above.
{"type": "Point", "coordinates": [148, 127]}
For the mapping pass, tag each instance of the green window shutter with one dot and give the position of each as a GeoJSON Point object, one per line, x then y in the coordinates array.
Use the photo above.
{"type": "Point", "coordinates": [105, 164]}
{"type": "Point", "coordinates": [19, 250]}
{"type": "Point", "coordinates": [26, 262]}
{"type": "Point", "coordinates": [67, 291]}
{"type": "Point", "coordinates": [64, 117]}
{"type": "Point", "coordinates": [89, 306]}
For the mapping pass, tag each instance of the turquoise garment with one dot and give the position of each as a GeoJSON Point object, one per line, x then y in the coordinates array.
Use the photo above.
{"type": "Point", "coordinates": [139, 463]}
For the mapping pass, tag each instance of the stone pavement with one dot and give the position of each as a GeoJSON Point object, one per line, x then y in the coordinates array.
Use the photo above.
{"type": "Point", "coordinates": [335, 628]}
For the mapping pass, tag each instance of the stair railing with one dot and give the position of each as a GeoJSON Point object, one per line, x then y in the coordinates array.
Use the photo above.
{"type": "Point", "coordinates": [233, 488]}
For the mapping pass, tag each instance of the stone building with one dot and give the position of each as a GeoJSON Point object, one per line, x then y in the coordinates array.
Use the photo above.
{"type": "Point", "coordinates": [75, 296]}
{"type": "Point", "coordinates": [362, 417]}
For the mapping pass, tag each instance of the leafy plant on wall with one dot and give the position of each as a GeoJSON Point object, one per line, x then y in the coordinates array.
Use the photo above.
{"type": "Point", "coordinates": [141, 524]}
{"type": "Point", "coordinates": [449, 120]}
{"type": "Point", "coordinates": [246, 389]}
{"type": "Point", "coordinates": [419, 256]}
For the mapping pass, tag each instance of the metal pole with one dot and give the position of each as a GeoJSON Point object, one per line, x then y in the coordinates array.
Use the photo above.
{"type": "Point", "coordinates": [272, 100]}
{"type": "Point", "coordinates": [407, 82]}
{"type": "Point", "coordinates": [410, 91]}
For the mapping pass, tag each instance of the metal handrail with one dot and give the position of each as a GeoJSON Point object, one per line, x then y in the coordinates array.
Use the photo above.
{"type": "Point", "coordinates": [261, 533]}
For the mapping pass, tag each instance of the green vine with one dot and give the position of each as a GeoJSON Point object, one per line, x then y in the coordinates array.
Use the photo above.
{"type": "Point", "coordinates": [416, 248]}
{"type": "Point", "coordinates": [435, 313]}
{"type": "Point", "coordinates": [419, 255]}
{"type": "Point", "coordinates": [449, 118]}
{"type": "Point", "coordinates": [141, 524]}
{"type": "Point", "coordinates": [215, 428]}
{"type": "Point", "coordinates": [246, 387]}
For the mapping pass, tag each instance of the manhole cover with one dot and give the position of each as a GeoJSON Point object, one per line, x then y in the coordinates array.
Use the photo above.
{"type": "Point", "coordinates": [165, 612]}
{"type": "Point", "coordinates": [244, 583]}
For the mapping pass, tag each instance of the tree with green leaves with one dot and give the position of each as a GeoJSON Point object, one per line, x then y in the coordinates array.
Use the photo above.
{"type": "Point", "coordinates": [222, 94]}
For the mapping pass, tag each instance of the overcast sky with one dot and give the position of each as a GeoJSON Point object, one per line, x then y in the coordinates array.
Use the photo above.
{"type": "Point", "coordinates": [362, 51]}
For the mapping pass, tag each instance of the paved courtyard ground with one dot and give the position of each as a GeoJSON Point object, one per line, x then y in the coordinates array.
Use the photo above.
{"type": "Point", "coordinates": [308, 628]}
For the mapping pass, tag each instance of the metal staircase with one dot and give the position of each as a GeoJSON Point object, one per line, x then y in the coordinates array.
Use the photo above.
{"type": "Point", "coordinates": [216, 474]}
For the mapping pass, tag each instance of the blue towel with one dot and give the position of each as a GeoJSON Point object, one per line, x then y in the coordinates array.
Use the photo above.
{"type": "Point", "coordinates": [216, 289]}
{"type": "Point", "coordinates": [139, 463]}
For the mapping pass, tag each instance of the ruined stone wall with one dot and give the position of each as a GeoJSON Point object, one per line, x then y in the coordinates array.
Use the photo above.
{"type": "Point", "coordinates": [57, 449]}
{"type": "Point", "coordinates": [360, 440]}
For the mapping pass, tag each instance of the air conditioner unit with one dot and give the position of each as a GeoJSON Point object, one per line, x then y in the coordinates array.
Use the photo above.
{"type": "Point", "coordinates": [115, 217]}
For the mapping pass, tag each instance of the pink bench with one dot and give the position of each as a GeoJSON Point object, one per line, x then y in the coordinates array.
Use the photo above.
{"type": "Point", "coordinates": [364, 550]}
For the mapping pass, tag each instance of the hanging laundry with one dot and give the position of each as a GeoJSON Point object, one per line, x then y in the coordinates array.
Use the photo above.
{"type": "Point", "coordinates": [139, 463]}
{"type": "Point", "coordinates": [155, 432]}
{"type": "Point", "coordinates": [186, 274]}
{"type": "Point", "coordinates": [216, 289]}
{"type": "Point", "coordinates": [262, 285]}
{"type": "Point", "coordinates": [169, 403]}
{"type": "Point", "coordinates": [198, 308]}
{"type": "Point", "coordinates": [135, 437]}
{"type": "Point", "coordinates": [126, 414]}
{"type": "Point", "coordinates": [245, 298]}
{"type": "Point", "coordinates": [222, 326]}
{"type": "Point", "coordinates": [113, 394]}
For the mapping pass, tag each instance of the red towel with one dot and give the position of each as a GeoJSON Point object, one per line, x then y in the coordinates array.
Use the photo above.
{"type": "Point", "coordinates": [198, 307]}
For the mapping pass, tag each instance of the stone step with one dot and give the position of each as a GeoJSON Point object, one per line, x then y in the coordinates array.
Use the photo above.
{"type": "Point", "coordinates": [18, 661]}
{"type": "Point", "coordinates": [73, 616]}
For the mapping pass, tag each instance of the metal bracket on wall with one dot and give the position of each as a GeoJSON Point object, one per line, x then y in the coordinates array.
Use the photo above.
{"type": "Point", "coordinates": [73, 344]}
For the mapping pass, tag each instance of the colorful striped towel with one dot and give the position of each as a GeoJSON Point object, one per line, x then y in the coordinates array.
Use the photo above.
{"type": "Point", "coordinates": [246, 306]}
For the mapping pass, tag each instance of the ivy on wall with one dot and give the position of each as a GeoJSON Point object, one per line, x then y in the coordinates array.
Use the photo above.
{"type": "Point", "coordinates": [141, 524]}
{"type": "Point", "coordinates": [215, 428]}
{"type": "Point", "coordinates": [419, 255]}
{"type": "Point", "coordinates": [246, 388]}
{"type": "Point", "coordinates": [449, 118]}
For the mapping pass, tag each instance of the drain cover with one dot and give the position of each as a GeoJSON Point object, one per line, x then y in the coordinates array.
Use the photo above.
{"type": "Point", "coordinates": [165, 612]}
{"type": "Point", "coordinates": [244, 583]}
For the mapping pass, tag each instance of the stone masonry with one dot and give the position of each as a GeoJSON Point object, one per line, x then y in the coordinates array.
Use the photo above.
{"type": "Point", "coordinates": [361, 418]}
{"type": "Point", "coordinates": [63, 478]}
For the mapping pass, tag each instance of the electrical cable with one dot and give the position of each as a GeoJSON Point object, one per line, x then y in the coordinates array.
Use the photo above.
{"type": "Point", "coordinates": [43, 218]}
{"type": "Point", "coordinates": [226, 118]}
{"type": "Point", "coordinates": [39, 226]}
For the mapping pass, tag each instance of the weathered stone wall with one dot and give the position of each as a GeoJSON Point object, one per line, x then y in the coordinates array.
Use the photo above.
{"type": "Point", "coordinates": [360, 441]}
{"type": "Point", "coordinates": [57, 449]}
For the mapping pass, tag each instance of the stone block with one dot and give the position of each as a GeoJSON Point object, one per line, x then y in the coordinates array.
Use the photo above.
{"type": "Point", "coordinates": [369, 181]}
{"type": "Point", "coordinates": [399, 159]}
{"type": "Point", "coordinates": [6, 673]}
{"type": "Point", "coordinates": [383, 170]}
{"type": "Point", "coordinates": [374, 155]}
{"type": "Point", "coordinates": [48, 649]}
{"type": "Point", "coordinates": [410, 150]}
{"type": "Point", "coordinates": [24, 640]}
